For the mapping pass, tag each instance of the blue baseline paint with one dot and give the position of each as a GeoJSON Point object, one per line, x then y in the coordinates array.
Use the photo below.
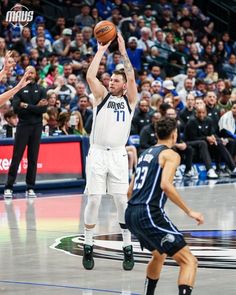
{"type": "Point", "coordinates": [212, 233]}
{"type": "Point", "coordinates": [64, 286]}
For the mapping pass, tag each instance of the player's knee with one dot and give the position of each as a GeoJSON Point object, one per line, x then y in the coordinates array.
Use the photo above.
{"type": "Point", "coordinates": [121, 204]}
{"type": "Point", "coordinates": [94, 202]}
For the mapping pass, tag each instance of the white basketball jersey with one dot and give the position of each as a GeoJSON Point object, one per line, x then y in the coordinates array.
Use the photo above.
{"type": "Point", "coordinates": [111, 122]}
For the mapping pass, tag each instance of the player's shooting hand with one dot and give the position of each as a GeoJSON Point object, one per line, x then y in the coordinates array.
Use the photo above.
{"type": "Point", "coordinates": [104, 47]}
{"type": "Point", "coordinates": [197, 216]}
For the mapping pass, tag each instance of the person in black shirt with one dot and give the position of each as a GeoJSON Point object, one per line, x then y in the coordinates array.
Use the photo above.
{"type": "Point", "coordinates": [29, 104]}
{"type": "Point", "coordinates": [212, 111]}
{"type": "Point", "coordinates": [142, 117]}
{"type": "Point", "coordinates": [148, 135]}
{"type": "Point", "coordinates": [201, 128]}
{"type": "Point", "coordinates": [188, 111]}
{"type": "Point", "coordinates": [145, 215]}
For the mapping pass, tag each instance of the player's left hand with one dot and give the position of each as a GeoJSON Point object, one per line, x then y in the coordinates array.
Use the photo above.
{"type": "Point", "coordinates": [197, 216]}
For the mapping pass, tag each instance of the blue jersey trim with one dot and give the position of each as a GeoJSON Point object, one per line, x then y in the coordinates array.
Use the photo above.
{"type": "Point", "coordinates": [175, 232]}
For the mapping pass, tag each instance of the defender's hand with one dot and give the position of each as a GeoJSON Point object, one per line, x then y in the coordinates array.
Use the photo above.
{"type": "Point", "coordinates": [197, 216]}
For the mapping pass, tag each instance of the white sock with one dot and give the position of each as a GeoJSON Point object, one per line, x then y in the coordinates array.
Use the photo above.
{"type": "Point", "coordinates": [126, 237]}
{"type": "Point", "coordinates": [88, 236]}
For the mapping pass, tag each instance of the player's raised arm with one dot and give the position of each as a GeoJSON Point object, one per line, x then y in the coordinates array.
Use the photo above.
{"type": "Point", "coordinates": [8, 94]}
{"type": "Point", "coordinates": [129, 71]}
{"type": "Point", "coordinates": [98, 90]}
{"type": "Point", "coordinates": [170, 160]}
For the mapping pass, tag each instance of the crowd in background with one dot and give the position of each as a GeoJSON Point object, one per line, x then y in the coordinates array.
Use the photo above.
{"type": "Point", "coordinates": [184, 69]}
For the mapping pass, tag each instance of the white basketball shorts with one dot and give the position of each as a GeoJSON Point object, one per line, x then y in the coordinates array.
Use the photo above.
{"type": "Point", "coordinates": [106, 170]}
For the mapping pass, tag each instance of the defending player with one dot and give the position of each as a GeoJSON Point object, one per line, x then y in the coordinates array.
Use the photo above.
{"type": "Point", "coordinates": [145, 215]}
{"type": "Point", "coordinates": [107, 161]}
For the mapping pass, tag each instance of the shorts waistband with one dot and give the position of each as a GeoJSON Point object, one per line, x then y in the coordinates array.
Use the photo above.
{"type": "Point", "coordinates": [107, 148]}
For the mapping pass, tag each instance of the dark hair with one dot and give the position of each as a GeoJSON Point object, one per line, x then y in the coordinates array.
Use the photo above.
{"type": "Point", "coordinates": [9, 114]}
{"type": "Point", "coordinates": [120, 72]}
{"type": "Point", "coordinates": [226, 91]}
{"type": "Point", "coordinates": [164, 127]}
{"type": "Point", "coordinates": [163, 108]}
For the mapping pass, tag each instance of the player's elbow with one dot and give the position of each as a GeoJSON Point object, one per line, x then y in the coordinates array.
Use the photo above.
{"type": "Point", "coordinates": [165, 185]}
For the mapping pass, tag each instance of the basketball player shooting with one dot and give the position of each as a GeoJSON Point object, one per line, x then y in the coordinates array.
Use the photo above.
{"type": "Point", "coordinates": [107, 161]}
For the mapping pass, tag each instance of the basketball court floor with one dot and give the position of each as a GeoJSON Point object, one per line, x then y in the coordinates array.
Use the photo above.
{"type": "Point", "coordinates": [41, 241]}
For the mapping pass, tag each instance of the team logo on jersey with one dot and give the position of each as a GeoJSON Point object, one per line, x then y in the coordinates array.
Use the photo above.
{"type": "Point", "coordinates": [214, 249]}
{"type": "Point", "coordinates": [168, 238]}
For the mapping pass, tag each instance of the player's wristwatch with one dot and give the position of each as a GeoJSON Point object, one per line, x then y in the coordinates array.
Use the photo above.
{"type": "Point", "coordinates": [25, 105]}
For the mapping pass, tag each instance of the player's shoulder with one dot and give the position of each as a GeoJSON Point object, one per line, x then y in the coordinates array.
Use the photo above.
{"type": "Point", "coordinates": [169, 155]}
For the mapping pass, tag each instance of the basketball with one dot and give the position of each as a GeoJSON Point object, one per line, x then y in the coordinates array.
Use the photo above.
{"type": "Point", "coordinates": [104, 32]}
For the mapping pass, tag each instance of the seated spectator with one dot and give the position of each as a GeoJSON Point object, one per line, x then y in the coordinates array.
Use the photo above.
{"type": "Point", "coordinates": [169, 88]}
{"type": "Point", "coordinates": [135, 54]}
{"type": "Point", "coordinates": [213, 112]}
{"type": "Point", "coordinates": [180, 78]}
{"type": "Point", "coordinates": [148, 135]}
{"type": "Point", "coordinates": [82, 106]}
{"type": "Point", "coordinates": [210, 73]}
{"type": "Point", "coordinates": [84, 18]}
{"type": "Point", "coordinates": [12, 119]}
{"type": "Point", "coordinates": [227, 127]}
{"type": "Point", "coordinates": [182, 148]}
{"type": "Point", "coordinates": [224, 102]}
{"type": "Point", "coordinates": [195, 60]}
{"type": "Point", "coordinates": [200, 134]}
{"type": "Point", "coordinates": [52, 122]}
{"type": "Point", "coordinates": [64, 123]}
{"type": "Point", "coordinates": [156, 87]}
{"type": "Point", "coordinates": [41, 33]}
{"type": "Point", "coordinates": [41, 46]}
{"type": "Point", "coordinates": [52, 98]}
{"type": "Point", "coordinates": [188, 111]}
{"type": "Point", "coordinates": [76, 123]}
{"type": "Point", "coordinates": [64, 93]}
{"type": "Point", "coordinates": [59, 27]}
{"type": "Point", "coordinates": [188, 88]}
{"type": "Point", "coordinates": [230, 69]}
{"type": "Point", "coordinates": [104, 8]}
{"type": "Point", "coordinates": [78, 43]}
{"type": "Point", "coordinates": [52, 75]}
{"type": "Point", "coordinates": [62, 45]}
{"type": "Point", "coordinates": [144, 42]}
{"type": "Point", "coordinates": [142, 117]}
{"type": "Point", "coordinates": [155, 102]}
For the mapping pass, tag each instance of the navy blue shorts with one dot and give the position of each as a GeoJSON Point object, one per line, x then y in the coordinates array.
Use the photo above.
{"type": "Point", "coordinates": [153, 229]}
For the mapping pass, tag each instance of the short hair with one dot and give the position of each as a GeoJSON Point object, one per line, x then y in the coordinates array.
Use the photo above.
{"type": "Point", "coordinates": [9, 114]}
{"type": "Point", "coordinates": [122, 73]}
{"type": "Point", "coordinates": [164, 127]}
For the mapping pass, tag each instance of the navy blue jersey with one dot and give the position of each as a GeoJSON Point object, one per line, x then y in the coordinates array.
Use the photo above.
{"type": "Point", "coordinates": [147, 189]}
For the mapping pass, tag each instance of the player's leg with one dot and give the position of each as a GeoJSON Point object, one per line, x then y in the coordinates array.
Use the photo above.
{"type": "Point", "coordinates": [121, 205]}
{"type": "Point", "coordinates": [153, 272]}
{"type": "Point", "coordinates": [95, 188]}
{"type": "Point", "coordinates": [118, 188]}
{"type": "Point", "coordinates": [188, 268]}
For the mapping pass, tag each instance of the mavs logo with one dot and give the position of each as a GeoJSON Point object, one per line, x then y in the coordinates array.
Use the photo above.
{"type": "Point", "coordinates": [214, 249]}
{"type": "Point", "coordinates": [19, 15]}
{"type": "Point", "coordinates": [168, 238]}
